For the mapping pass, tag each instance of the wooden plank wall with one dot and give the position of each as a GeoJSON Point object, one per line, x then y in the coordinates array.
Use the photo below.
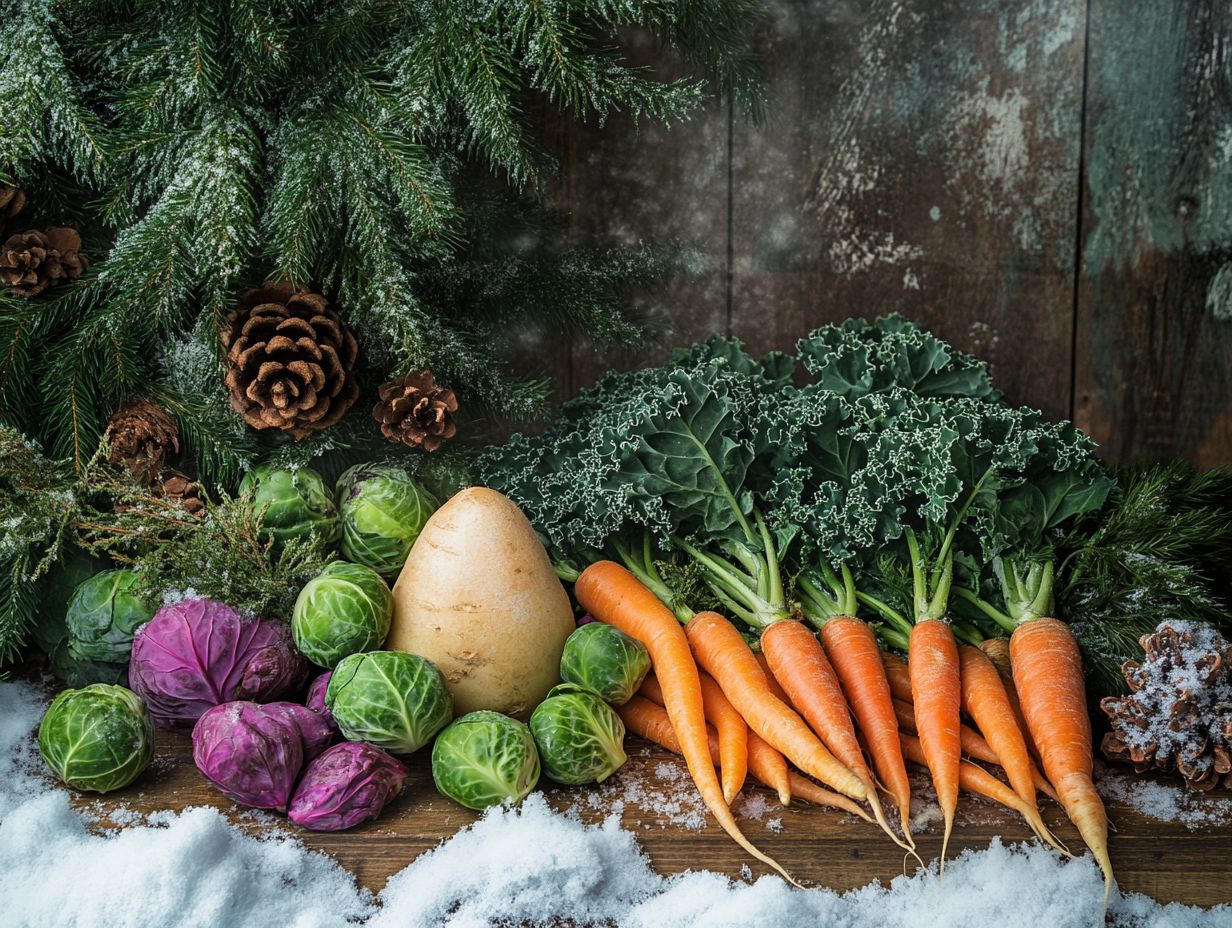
{"type": "Point", "coordinates": [1046, 183]}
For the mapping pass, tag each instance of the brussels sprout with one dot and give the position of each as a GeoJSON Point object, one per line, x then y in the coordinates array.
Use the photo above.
{"type": "Point", "coordinates": [383, 510]}
{"type": "Point", "coordinates": [52, 635]}
{"type": "Point", "coordinates": [104, 614]}
{"type": "Point", "coordinates": [98, 738]}
{"type": "Point", "coordinates": [347, 785]}
{"type": "Point", "coordinates": [343, 610]}
{"type": "Point", "coordinates": [484, 758]}
{"type": "Point", "coordinates": [392, 699]}
{"type": "Point", "coordinates": [580, 739]}
{"type": "Point", "coordinates": [198, 653]}
{"type": "Point", "coordinates": [292, 503]}
{"type": "Point", "coordinates": [254, 753]}
{"type": "Point", "coordinates": [606, 661]}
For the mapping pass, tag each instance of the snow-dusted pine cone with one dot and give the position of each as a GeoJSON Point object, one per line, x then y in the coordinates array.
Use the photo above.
{"type": "Point", "coordinates": [141, 436]}
{"type": "Point", "coordinates": [415, 411]}
{"type": "Point", "coordinates": [290, 359]}
{"type": "Point", "coordinates": [1178, 715]}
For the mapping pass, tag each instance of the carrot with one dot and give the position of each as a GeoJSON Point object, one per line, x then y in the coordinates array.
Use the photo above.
{"type": "Point", "coordinates": [764, 762]}
{"type": "Point", "coordinates": [937, 696]}
{"type": "Point", "coordinates": [797, 661]}
{"type": "Point", "coordinates": [998, 651]}
{"type": "Point", "coordinates": [1047, 669]}
{"type": "Point", "coordinates": [775, 687]}
{"type": "Point", "coordinates": [984, 700]}
{"type": "Point", "coordinates": [770, 766]}
{"type": "Point", "coordinates": [612, 594]}
{"type": "Point", "coordinates": [649, 720]}
{"type": "Point", "coordinates": [733, 732]}
{"type": "Point", "coordinates": [897, 676]}
{"type": "Point", "coordinates": [976, 780]}
{"type": "Point", "coordinates": [853, 652]}
{"type": "Point", "coordinates": [973, 745]}
{"type": "Point", "coordinates": [719, 649]}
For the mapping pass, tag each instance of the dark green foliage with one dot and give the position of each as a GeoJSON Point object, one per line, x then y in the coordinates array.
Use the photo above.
{"type": "Point", "coordinates": [1159, 550]}
{"type": "Point", "coordinates": [204, 146]}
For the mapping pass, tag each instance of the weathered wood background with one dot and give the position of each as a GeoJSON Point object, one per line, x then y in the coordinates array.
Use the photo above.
{"type": "Point", "coordinates": [1045, 183]}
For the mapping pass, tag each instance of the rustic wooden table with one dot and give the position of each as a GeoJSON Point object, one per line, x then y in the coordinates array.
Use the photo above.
{"type": "Point", "coordinates": [1164, 860]}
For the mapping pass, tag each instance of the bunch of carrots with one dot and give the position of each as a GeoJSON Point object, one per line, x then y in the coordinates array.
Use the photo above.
{"type": "Point", "coordinates": [849, 715]}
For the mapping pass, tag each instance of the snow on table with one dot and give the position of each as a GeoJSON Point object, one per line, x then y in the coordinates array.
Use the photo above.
{"type": "Point", "coordinates": [161, 853]}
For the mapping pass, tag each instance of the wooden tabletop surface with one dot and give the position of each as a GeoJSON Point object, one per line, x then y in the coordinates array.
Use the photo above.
{"type": "Point", "coordinates": [1164, 860]}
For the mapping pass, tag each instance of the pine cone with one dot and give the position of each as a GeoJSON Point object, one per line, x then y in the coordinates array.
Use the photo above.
{"type": "Point", "coordinates": [413, 410]}
{"type": "Point", "coordinates": [141, 436]}
{"type": "Point", "coordinates": [1178, 716]}
{"type": "Point", "coordinates": [32, 261]}
{"type": "Point", "coordinates": [12, 200]}
{"type": "Point", "coordinates": [290, 360]}
{"type": "Point", "coordinates": [185, 490]}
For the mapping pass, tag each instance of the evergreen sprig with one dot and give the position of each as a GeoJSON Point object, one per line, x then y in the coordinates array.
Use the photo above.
{"type": "Point", "coordinates": [217, 143]}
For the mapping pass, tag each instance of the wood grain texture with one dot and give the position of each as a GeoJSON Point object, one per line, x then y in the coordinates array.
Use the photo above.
{"type": "Point", "coordinates": [923, 158]}
{"type": "Point", "coordinates": [1154, 313]}
{"type": "Point", "coordinates": [821, 847]}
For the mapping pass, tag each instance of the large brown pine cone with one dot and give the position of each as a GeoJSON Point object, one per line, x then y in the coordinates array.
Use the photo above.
{"type": "Point", "coordinates": [12, 200]}
{"type": "Point", "coordinates": [413, 410]}
{"type": "Point", "coordinates": [290, 360]}
{"type": "Point", "coordinates": [141, 436]}
{"type": "Point", "coordinates": [1178, 715]}
{"type": "Point", "coordinates": [32, 261]}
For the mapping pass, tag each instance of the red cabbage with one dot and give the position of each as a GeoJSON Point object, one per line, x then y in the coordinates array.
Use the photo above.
{"type": "Point", "coordinates": [199, 653]}
{"type": "Point", "coordinates": [347, 785]}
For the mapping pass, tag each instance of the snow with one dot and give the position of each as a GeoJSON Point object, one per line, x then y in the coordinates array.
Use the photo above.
{"type": "Point", "coordinates": [514, 866]}
{"type": "Point", "coordinates": [1167, 802]}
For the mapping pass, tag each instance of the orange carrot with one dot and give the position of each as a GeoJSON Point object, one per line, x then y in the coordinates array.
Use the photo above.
{"type": "Point", "coordinates": [775, 687]}
{"type": "Point", "coordinates": [973, 745]}
{"type": "Point", "coordinates": [770, 766]}
{"type": "Point", "coordinates": [1047, 669]}
{"type": "Point", "coordinates": [998, 651]}
{"type": "Point", "coordinates": [897, 676]}
{"type": "Point", "coordinates": [719, 649]}
{"type": "Point", "coordinates": [853, 652]}
{"type": "Point", "coordinates": [612, 594]}
{"type": "Point", "coordinates": [764, 762]}
{"type": "Point", "coordinates": [984, 700]}
{"type": "Point", "coordinates": [649, 720]}
{"type": "Point", "coordinates": [733, 732]}
{"type": "Point", "coordinates": [937, 696]}
{"type": "Point", "coordinates": [976, 780]}
{"type": "Point", "coordinates": [797, 661]}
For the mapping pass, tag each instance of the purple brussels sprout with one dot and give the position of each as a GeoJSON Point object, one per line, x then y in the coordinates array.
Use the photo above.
{"type": "Point", "coordinates": [316, 699]}
{"type": "Point", "coordinates": [199, 653]}
{"type": "Point", "coordinates": [254, 752]}
{"type": "Point", "coordinates": [347, 785]}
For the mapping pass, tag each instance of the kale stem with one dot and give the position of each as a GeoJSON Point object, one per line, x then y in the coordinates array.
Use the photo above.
{"type": "Point", "coordinates": [919, 586]}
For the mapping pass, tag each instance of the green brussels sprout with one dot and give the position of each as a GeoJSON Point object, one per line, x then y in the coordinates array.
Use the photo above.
{"type": "Point", "coordinates": [51, 633]}
{"type": "Point", "coordinates": [292, 503]}
{"type": "Point", "coordinates": [343, 610]}
{"type": "Point", "coordinates": [606, 661]}
{"type": "Point", "coordinates": [580, 739]}
{"type": "Point", "coordinates": [383, 510]}
{"type": "Point", "coordinates": [392, 699]}
{"type": "Point", "coordinates": [483, 759]}
{"type": "Point", "coordinates": [103, 615]}
{"type": "Point", "coordinates": [98, 738]}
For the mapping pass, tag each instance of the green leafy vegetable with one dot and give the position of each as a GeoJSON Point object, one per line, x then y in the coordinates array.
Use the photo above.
{"type": "Point", "coordinates": [99, 738]}
{"type": "Point", "coordinates": [606, 661]}
{"type": "Point", "coordinates": [484, 758]}
{"type": "Point", "coordinates": [392, 699]}
{"type": "Point", "coordinates": [345, 609]}
{"type": "Point", "coordinates": [383, 510]}
{"type": "Point", "coordinates": [580, 739]}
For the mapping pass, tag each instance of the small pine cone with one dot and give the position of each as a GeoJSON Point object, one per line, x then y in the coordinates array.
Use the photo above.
{"type": "Point", "coordinates": [12, 200]}
{"type": "Point", "coordinates": [184, 490]}
{"type": "Point", "coordinates": [290, 361]}
{"type": "Point", "coordinates": [413, 410]}
{"type": "Point", "coordinates": [141, 436]}
{"type": "Point", "coordinates": [32, 261]}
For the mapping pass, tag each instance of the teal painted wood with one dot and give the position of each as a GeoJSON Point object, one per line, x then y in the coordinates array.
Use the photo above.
{"type": "Point", "coordinates": [1154, 311]}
